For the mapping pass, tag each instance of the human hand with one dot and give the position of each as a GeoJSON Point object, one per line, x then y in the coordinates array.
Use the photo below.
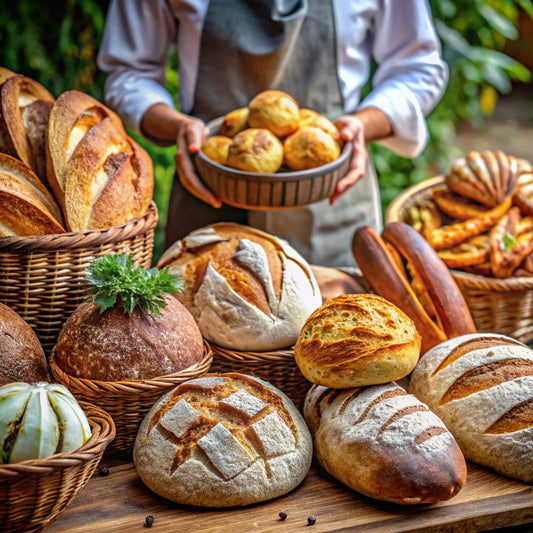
{"type": "Point", "coordinates": [190, 136]}
{"type": "Point", "coordinates": [351, 130]}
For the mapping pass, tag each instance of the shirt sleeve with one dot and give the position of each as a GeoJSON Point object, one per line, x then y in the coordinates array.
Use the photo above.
{"type": "Point", "coordinates": [134, 54]}
{"type": "Point", "coordinates": [411, 75]}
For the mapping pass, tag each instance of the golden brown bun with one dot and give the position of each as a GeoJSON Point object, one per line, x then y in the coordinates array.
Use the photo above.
{"type": "Point", "coordinates": [217, 148]}
{"type": "Point", "coordinates": [481, 386]}
{"type": "Point", "coordinates": [312, 119]}
{"type": "Point", "coordinates": [26, 206]}
{"type": "Point", "coordinates": [113, 346]}
{"type": "Point", "coordinates": [309, 147]}
{"type": "Point", "coordinates": [22, 357]}
{"type": "Point", "coordinates": [222, 441]}
{"type": "Point", "coordinates": [24, 111]}
{"type": "Point", "coordinates": [276, 111]}
{"type": "Point", "coordinates": [234, 122]}
{"type": "Point", "coordinates": [357, 339]}
{"type": "Point", "coordinates": [255, 150]}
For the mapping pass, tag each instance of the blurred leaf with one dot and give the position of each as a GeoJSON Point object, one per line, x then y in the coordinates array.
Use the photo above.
{"type": "Point", "coordinates": [498, 21]}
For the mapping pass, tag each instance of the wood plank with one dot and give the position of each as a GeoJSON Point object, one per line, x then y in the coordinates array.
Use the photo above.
{"type": "Point", "coordinates": [120, 502]}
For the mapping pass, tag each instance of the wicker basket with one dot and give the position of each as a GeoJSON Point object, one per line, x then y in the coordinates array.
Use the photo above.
{"type": "Point", "coordinates": [43, 278]}
{"type": "Point", "coordinates": [33, 494]}
{"type": "Point", "coordinates": [128, 401]}
{"type": "Point", "coordinates": [277, 367]}
{"type": "Point", "coordinates": [497, 305]}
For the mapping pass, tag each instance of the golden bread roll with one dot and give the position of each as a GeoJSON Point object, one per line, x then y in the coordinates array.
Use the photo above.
{"type": "Point", "coordinates": [247, 289]}
{"type": "Point", "coordinates": [217, 148]}
{"type": "Point", "coordinates": [384, 443]}
{"type": "Point", "coordinates": [357, 339]}
{"type": "Point", "coordinates": [222, 441]}
{"type": "Point", "coordinates": [255, 150]}
{"type": "Point", "coordinates": [22, 357]}
{"type": "Point", "coordinates": [313, 119]}
{"type": "Point", "coordinates": [481, 386]}
{"type": "Point", "coordinates": [309, 147]}
{"type": "Point", "coordinates": [234, 122]}
{"type": "Point", "coordinates": [276, 111]}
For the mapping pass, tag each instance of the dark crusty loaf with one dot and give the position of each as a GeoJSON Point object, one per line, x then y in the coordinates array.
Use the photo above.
{"type": "Point", "coordinates": [481, 386]}
{"type": "Point", "coordinates": [357, 339]}
{"type": "Point", "coordinates": [384, 443]}
{"type": "Point", "coordinates": [113, 346]}
{"type": "Point", "coordinates": [22, 357]}
{"type": "Point", "coordinates": [221, 441]}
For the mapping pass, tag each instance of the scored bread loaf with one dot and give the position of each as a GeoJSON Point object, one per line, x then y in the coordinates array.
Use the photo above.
{"type": "Point", "coordinates": [223, 440]}
{"type": "Point", "coordinates": [248, 290]}
{"type": "Point", "coordinates": [100, 176]}
{"type": "Point", "coordinates": [481, 386]}
{"type": "Point", "coordinates": [357, 339]}
{"type": "Point", "coordinates": [26, 206]}
{"type": "Point", "coordinates": [384, 443]}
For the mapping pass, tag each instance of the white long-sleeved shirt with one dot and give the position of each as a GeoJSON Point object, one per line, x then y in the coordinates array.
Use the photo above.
{"type": "Point", "coordinates": [398, 34]}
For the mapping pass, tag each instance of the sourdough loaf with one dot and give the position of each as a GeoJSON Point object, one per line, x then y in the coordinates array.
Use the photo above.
{"type": "Point", "coordinates": [112, 346]}
{"type": "Point", "coordinates": [223, 440]}
{"type": "Point", "coordinates": [22, 357]}
{"type": "Point", "coordinates": [248, 290]}
{"type": "Point", "coordinates": [357, 339]}
{"type": "Point", "coordinates": [481, 386]}
{"type": "Point", "coordinates": [384, 443]}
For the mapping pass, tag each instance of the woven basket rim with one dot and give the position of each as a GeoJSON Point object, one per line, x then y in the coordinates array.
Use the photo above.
{"type": "Point", "coordinates": [473, 280]}
{"type": "Point", "coordinates": [103, 432]}
{"type": "Point", "coordinates": [84, 239]}
{"type": "Point", "coordinates": [135, 386]}
{"type": "Point", "coordinates": [273, 356]}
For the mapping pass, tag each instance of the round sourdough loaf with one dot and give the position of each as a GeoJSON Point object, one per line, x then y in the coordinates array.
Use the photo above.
{"type": "Point", "coordinates": [384, 443]}
{"type": "Point", "coordinates": [248, 290]}
{"type": "Point", "coordinates": [221, 441]}
{"type": "Point", "coordinates": [112, 346]}
{"type": "Point", "coordinates": [481, 386]}
{"type": "Point", "coordinates": [357, 339]}
{"type": "Point", "coordinates": [22, 357]}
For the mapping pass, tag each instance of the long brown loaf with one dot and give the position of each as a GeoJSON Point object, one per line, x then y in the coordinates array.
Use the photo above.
{"type": "Point", "coordinates": [384, 443]}
{"type": "Point", "coordinates": [481, 386]}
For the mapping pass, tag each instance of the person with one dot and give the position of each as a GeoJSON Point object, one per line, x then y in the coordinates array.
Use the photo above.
{"type": "Point", "coordinates": [319, 51]}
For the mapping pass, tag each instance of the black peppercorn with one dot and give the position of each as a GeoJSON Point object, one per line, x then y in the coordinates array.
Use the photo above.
{"type": "Point", "coordinates": [149, 521]}
{"type": "Point", "coordinates": [282, 515]}
{"type": "Point", "coordinates": [103, 471]}
{"type": "Point", "coordinates": [311, 520]}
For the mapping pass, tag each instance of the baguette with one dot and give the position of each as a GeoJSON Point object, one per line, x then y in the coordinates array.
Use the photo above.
{"type": "Point", "coordinates": [481, 386]}
{"type": "Point", "coordinates": [384, 443]}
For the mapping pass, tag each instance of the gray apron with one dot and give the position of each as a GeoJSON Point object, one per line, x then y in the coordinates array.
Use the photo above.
{"type": "Point", "coordinates": [251, 46]}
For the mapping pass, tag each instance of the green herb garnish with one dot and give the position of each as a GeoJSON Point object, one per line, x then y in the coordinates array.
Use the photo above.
{"type": "Point", "coordinates": [508, 241]}
{"type": "Point", "coordinates": [113, 276]}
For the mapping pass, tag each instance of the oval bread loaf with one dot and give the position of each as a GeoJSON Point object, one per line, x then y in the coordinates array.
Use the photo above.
{"type": "Point", "coordinates": [481, 386]}
{"type": "Point", "coordinates": [221, 441]}
{"type": "Point", "coordinates": [384, 443]}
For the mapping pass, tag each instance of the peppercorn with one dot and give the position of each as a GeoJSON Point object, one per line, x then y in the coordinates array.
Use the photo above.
{"type": "Point", "coordinates": [149, 521]}
{"type": "Point", "coordinates": [282, 515]}
{"type": "Point", "coordinates": [311, 520]}
{"type": "Point", "coordinates": [103, 471]}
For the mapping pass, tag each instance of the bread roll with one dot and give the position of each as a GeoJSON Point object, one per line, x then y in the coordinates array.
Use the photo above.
{"type": "Point", "coordinates": [222, 441]}
{"type": "Point", "coordinates": [312, 119]}
{"type": "Point", "coordinates": [234, 122]}
{"type": "Point", "coordinates": [217, 148]}
{"type": "Point", "coordinates": [309, 147]}
{"type": "Point", "coordinates": [255, 150]}
{"type": "Point", "coordinates": [113, 346]}
{"type": "Point", "coordinates": [22, 357]}
{"type": "Point", "coordinates": [384, 443]}
{"type": "Point", "coordinates": [357, 339]}
{"type": "Point", "coordinates": [481, 386]}
{"type": "Point", "coordinates": [276, 111]}
{"type": "Point", "coordinates": [247, 289]}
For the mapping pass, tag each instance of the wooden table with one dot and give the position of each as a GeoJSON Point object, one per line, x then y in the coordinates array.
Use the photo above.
{"type": "Point", "coordinates": [120, 502]}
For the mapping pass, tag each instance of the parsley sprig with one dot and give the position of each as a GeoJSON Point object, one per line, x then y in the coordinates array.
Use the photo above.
{"type": "Point", "coordinates": [112, 276]}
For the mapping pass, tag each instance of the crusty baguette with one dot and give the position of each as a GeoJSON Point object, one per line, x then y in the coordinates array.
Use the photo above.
{"type": "Point", "coordinates": [384, 443]}
{"type": "Point", "coordinates": [481, 386]}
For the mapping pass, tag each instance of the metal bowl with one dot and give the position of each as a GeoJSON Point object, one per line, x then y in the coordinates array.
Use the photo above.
{"type": "Point", "coordinates": [281, 190]}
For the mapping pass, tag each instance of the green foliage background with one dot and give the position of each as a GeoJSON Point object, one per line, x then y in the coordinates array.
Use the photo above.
{"type": "Point", "coordinates": [57, 46]}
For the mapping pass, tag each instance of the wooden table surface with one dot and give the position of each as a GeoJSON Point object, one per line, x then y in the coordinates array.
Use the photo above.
{"type": "Point", "coordinates": [121, 502]}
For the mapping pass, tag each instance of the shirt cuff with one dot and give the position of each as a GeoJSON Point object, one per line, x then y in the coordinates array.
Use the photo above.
{"type": "Point", "coordinates": [398, 103]}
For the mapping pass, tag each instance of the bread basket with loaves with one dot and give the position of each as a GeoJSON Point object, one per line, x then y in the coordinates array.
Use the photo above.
{"type": "Point", "coordinates": [478, 217]}
{"type": "Point", "coordinates": [73, 186]}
